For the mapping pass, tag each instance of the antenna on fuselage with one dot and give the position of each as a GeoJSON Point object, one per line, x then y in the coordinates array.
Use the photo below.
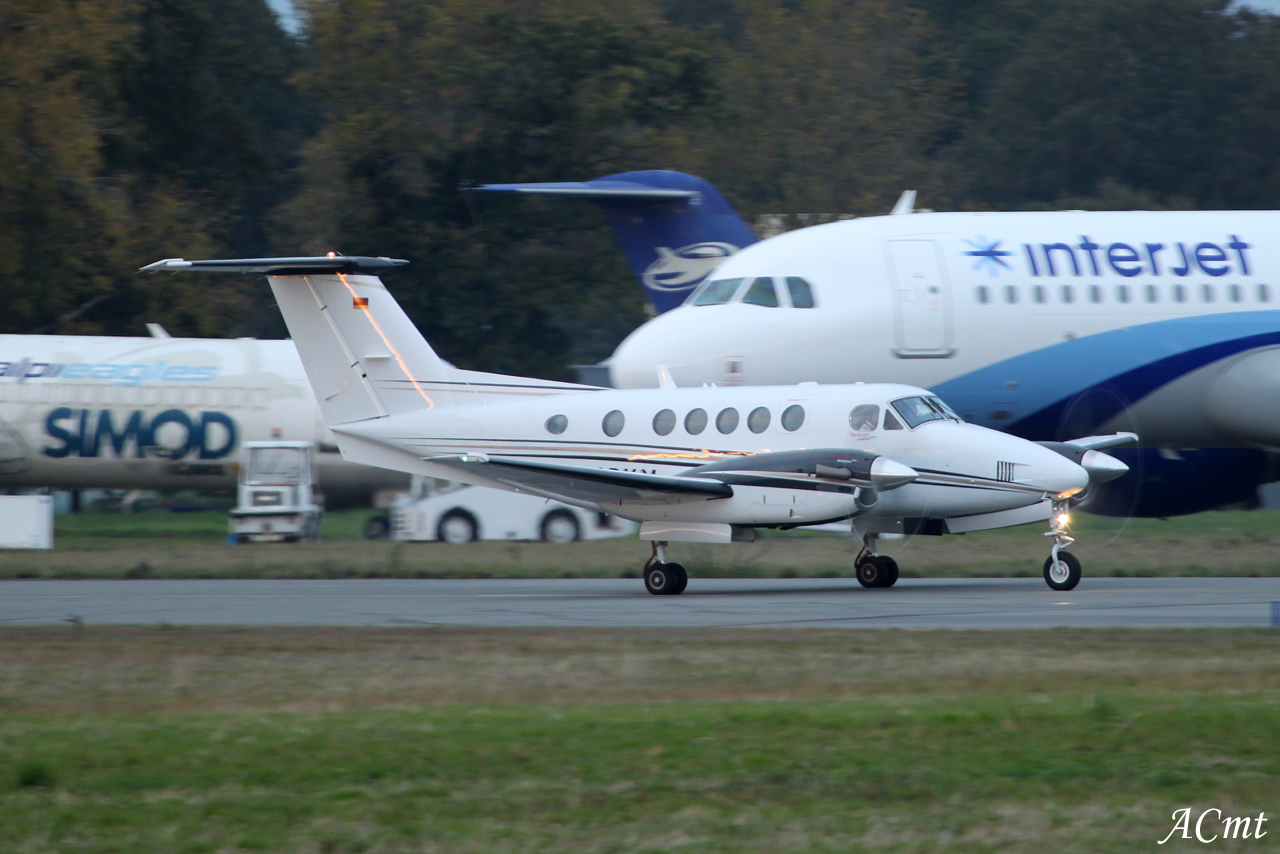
{"type": "Point", "coordinates": [906, 203]}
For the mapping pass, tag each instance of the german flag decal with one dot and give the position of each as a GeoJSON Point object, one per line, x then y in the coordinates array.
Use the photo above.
{"type": "Point", "coordinates": [359, 302]}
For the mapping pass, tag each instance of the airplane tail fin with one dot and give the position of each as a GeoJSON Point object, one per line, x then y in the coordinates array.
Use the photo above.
{"type": "Point", "coordinates": [674, 228]}
{"type": "Point", "coordinates": [362, 354]}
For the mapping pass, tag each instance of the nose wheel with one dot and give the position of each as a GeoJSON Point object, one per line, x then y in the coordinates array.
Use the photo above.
{"type": "Point", "coordinates": [1062, 569]}
{"type": "Point", "coordinates": [662, 578]}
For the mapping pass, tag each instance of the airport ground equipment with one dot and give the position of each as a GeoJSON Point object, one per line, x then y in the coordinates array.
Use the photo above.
{"type": "Point", "coordinates": [696, 464]}
{"type": "Point", "coordinates": [453, 512]}
{"type": "Point", "coordinates": [27, 521]}
{"type": "Point", "coordinates": [275, 501]}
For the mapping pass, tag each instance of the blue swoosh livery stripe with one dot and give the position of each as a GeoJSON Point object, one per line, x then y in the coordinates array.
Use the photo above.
{"type": "Point", "coordinates": [1125, 364]}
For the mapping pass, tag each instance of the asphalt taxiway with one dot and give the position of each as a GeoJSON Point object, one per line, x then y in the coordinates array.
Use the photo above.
{"type": "Point", "coordinates": [559, 603]}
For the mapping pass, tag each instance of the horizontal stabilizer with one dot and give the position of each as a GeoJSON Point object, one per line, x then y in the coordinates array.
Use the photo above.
{"type": "Point", "coordinates": [602, 190]}
{"type": "Point", "coordinates": [675, 229]}
{"type": "Point", "coordinates": [587, 484]}
{"type": "Point", "coordinates": [305, 266]}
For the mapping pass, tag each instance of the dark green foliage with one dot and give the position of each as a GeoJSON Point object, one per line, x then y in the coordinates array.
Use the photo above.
{"type": "Point", "coordinates": [33, 775]}
{"type": "Point", "coordinates": [132, 130]}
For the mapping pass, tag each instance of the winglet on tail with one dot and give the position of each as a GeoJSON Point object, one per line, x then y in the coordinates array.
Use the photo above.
{"type": "Point", "coordinates": [674, 228]}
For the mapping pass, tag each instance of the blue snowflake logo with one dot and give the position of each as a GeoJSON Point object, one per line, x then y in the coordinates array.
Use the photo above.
{"type": "Point", "coordinates": [989, 255]}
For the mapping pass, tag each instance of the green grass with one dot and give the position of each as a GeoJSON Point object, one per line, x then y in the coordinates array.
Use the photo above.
{"type": "Point", "coordinates": [193, 545]}
{"type": "Point", "coordinates": [381, 741]}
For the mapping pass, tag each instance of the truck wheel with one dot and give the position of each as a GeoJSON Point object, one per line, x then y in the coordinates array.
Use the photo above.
{"type": "Point", "coordinates": [377, 527]}
{"type": "Point", "coordinates": [457, 526]}
{"type": "Point", "coordinates": [560, 526]}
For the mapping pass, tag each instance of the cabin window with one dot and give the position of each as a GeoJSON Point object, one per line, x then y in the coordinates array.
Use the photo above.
{"type": "Point", "coordinates": [864, 418]}
{"type": "Point", "coordinates": [727, 420]}
{"type": "Point", "coordinates": [890, 422]}
{"type": "Point", "coordinates": [664, 422]}
{"type": "Point", "coordinates": [1122, 293]}
{"type": "Point", "coordinates": [801, 293]}
{"type": "Point", "coordinates": [1153, 293]}
{"type": "Point", "coordinates": [1234, 292]}
{"type": "Point", "coordinates": [1095, 293]}
{"type": "Point", "coordinates": [1068, 294]}
{"type": "Point", "coordinates": [695, 422]}
{"type": "Point", "coordinates": [1179, 293]}
{"type": "Point", "coordinates": [613, 423]}
{"type": "Point", "coordinates": [984, 295]}
{"type": "Point", "coordinates": [1038, 293]}
{"type": "Point", "coordinates": [1206, 293]}
{"type": "Point", "coordinates": [793, 418]}
{"type": "Point", "coordinates": [717, 292]}
{"type": "Point", "coordinates": [1010, 293]}
{"type": "Point", "coordinates": [762, 293]}
{"type": "Point", "coordinates": [557, 424]}
{"type": "Point", "coordinates": [758, 420]}
{"type": "Point", "coordinates": [1264, 293]}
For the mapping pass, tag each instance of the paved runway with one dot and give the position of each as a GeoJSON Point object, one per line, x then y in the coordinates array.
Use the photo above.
{"type": "Point", "coordinates": [913, 603]}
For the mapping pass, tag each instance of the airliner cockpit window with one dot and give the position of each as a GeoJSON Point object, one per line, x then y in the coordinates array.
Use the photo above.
{"type": "Point", "coordinates": [919, 410]}
{"type": "Point", "coordinates": [717, 292]}
{"type": "Point", "coordinates": [801, 293]}
{"type": "Point", "coordinates": [762, 293]}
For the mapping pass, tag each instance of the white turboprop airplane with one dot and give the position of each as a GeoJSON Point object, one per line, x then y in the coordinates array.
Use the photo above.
{"type": "Point", "coordinates": [1046, 325]}
{"type": "Point", "coordinates": [79, 411]}
{"type": "Point", "coordinates": [691, 464]}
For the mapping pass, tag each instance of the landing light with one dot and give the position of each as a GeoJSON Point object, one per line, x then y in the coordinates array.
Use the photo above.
{"type": "Point", "coordinates": [1063, 519]}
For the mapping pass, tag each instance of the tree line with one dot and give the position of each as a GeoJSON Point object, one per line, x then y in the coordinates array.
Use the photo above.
{"type": "Point", "coordinates": [132, 130]}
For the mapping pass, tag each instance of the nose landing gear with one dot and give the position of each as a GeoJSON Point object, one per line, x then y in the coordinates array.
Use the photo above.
{"type": "Point", "coordinates": [1062, 569]}
{"type": "Point", "coordinates": [662, 578]}
{"type": "Point", "coordinates": [874, 570]}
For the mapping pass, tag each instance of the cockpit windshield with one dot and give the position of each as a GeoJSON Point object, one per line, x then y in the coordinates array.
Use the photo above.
{"type": "Point", "coordinates": [717, 292]}
{"type": "Point", "coordinates": [918, 410]}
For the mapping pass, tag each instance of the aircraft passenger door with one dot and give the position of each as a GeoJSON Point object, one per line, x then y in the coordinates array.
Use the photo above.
{"type": "Point", "coordinates": [921, 300]}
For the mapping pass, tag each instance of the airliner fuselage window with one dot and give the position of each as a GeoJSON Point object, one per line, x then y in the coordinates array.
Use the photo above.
{"type": "Point", "coordinates": [717, 292]}
{"type": "Point", "coordinates": [864, 418]}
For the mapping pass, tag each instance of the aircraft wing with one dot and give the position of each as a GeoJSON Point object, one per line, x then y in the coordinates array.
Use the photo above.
{"type": "Point", "coordinates": [1097, 443]}
{"type": "Point", "coordinates": [587, 484]}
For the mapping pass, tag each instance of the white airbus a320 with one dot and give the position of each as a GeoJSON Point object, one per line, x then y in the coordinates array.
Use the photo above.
{"type": "Point", "coordinates": [691, 464]}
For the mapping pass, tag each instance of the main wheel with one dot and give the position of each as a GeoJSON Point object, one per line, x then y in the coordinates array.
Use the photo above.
{"type": "Point", "coordinates": [663, 579]}
{"type": "Point", "coordinates": [870, 572]}
{"type": "Point", "coordinates": [560, 526]}
{"type": "Point", "coordinates": [1063, 575]}
{"type": "Point", "coordinates": [682, 578]}
{"type": "Point", "coordinates": [457, 526]}
{"type": "Point", "coordinates": [889, 567]}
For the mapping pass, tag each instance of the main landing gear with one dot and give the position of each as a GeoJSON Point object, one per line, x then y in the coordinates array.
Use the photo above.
{"type": "Point", "coordinates": [874, 570]}
{"type": "Point", "coordinates": [1062, 568]}
{"type": "Point", "coordinates": [662, 578]}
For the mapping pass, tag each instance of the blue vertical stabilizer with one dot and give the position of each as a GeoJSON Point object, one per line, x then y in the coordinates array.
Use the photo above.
{"type": "Point", "coordinates": [674, 228]}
